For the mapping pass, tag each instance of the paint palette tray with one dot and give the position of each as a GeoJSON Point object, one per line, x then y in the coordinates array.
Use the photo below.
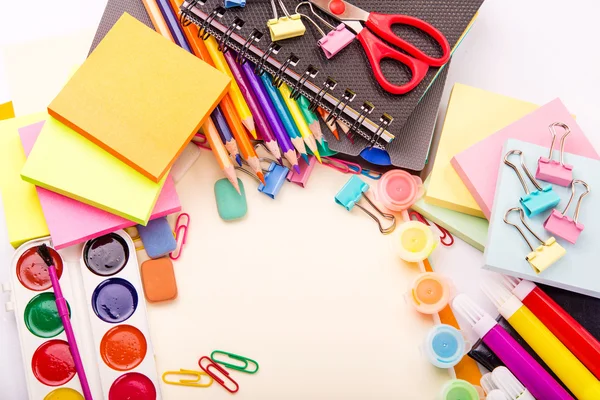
{"type": "Point", "coordinates": [102, 285]}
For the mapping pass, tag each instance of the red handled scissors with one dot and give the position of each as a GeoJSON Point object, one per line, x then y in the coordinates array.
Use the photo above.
{"type": "Point", "coordinates": [377, 50]}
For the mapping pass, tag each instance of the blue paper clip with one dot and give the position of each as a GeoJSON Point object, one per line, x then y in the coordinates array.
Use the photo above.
{"type": "Point", "coordinates": [235, 3]}
{"type": "Point", "coordinates": [350, 195]}
{"type": "Point", "coordinates": [274, 178]}
{"type": "Point", "coordinates": [539, 200]}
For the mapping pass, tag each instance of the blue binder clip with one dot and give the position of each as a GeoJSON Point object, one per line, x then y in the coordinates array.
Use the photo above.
{"type": "Point", "coordinates": [539, 200]}
{"type": "Point", "coordinates": [275, 176]}
{"type": "Point", "coordinates": [350, 195]}
{"type": "Point", "coordinates": [235, 3]}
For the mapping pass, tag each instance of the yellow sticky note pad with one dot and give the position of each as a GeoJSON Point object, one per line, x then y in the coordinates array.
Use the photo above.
{"type": "Point", "coordinates": [472, 115]}
{"type": "Point", "coordinates": [67, 163]}
{"type": "Point", "coordinates": [6, 110]}
{"type": "Point", "coordinates": [22, 210]}
{"type": "Point", "coordinates": [140, 97]}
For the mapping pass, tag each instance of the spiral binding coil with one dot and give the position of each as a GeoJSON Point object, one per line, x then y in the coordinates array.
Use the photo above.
{"type": "Point", "coordinates": [274, 48]}
{"type": "Point", "coordinates": [384, 122]}
{"type": "Point", "coordinates": [329, 84]}
{"type": "Point", "coordinates": [255, 36]}
{"type": "Point", "coordinates": [218, 12]}
{"type": "Point", "coordinates": [292, 60]}
{"type": "Point", "coordinates": [185, 12]}
{"type": "Point", "coordinates": [347, 97]}
{"type": "Point", "coordinates": [310, 72]}
{"type": "Point", "coordinates": [365, 110]}
{"type": "Point", "coordinates": [237, 23]}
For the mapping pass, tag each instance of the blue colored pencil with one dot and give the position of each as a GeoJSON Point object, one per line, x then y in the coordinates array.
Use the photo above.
{"type": "Point", "coordinates": [173, 25]}
{"type": "Point", "coordinates": [284, 115]}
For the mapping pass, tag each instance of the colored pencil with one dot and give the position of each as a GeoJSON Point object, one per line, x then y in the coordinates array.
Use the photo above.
{"type": "Point", "coordinates": [311, 118]}
{"type": "Point", "coordinates": [271, 115]}
{"type": "Point", "coordinates": [236, 94]}
{"type": "Point", "coordinates": [218, 149]}
{"type": "Point", "coordinates": [157, 19]}
{"type": "Point", "coordinates": [307, 135]}
{"type": "Point", "coordinates": [284, 115]}
{"type": "Point", "coordinates": [173, 24]}
{"type": "Point", "coordinates": [198, 48]}
{"type": "Point", "coordinates": [262, 126]}
{"type": "Point", "coordinates": [63, 312]}
{"type": "Point", "coordinates": [330, 124]}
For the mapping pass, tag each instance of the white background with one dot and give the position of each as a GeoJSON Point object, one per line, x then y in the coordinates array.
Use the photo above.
{"type": "Point", "coordinates": [535, 50]}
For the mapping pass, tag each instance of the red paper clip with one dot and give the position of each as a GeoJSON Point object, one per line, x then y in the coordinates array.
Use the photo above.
{"type": "Point", "coordinates": [209, 364]}
{"type": "Point", "coordinates": [181, 230]}
{"type": "Point", "coordinates": [345, 167]}
{"type": "Point", "coordinates": [445, 234]}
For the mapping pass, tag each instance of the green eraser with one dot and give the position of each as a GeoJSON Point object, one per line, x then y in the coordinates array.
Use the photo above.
{"type": "Point", "coordinates": [230, 204]}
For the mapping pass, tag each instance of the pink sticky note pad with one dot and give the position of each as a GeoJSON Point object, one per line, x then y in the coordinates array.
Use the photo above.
{"type": "Point", "coordinates": [71, 222]}
{"type": "Point", "coordinates": [478, 165]}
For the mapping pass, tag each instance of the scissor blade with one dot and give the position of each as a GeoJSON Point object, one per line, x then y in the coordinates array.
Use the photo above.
{"type": "Point", "coordinates": [350, 13]}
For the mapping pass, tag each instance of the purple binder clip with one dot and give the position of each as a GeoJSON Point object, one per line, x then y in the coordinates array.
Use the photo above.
{"type": "Point", "coordinates": [333, 42]}
{"type": "Point", "coordinates": [305, 171]}
{"type": "Point", "coordinates": [552, 171]}
{"type": "Point", "coordinates": [561, 225]}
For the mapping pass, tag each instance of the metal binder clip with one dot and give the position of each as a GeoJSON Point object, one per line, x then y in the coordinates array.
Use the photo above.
{"type": "Point", "coordinates": [350, 195]}
{"type": "Point", "coordinates": [333, 42]}
{"type": "Point", "coordinates": [563, 226]}
{"type": "Point", "coordinates": [538, 201]}
{"type": "Point", "coordinates": [545, 255]}
{"type": "Point", "coordinates": [187, 382]}
{"type": "Point", "coordinates": [552, 171]}
{"type": "Point", "coordinates": [235, 3]}
{"type": "Point", "coordinates": [285, 27]}
{"type": "Point", "coordinates": [275, 176]}
{"type": "Point", "coordinates": [305, 171]}
{"type": "Point", "coordinates": [208, 365]}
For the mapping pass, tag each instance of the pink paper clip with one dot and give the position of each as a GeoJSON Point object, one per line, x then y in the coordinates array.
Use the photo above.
{"type": "Point", "coordinates": [305, 171]}
{"type": "Point", "coordinates": [207, 364]}
{"type": "Point", "coordinates": [200, 140]}
{"type": "Point", "coordinates": [345, 167]}
{"type": "Point", "coordinates": [181, 230]}
{"type": "Point", "coordinates": [556, 172]}
{"type": "Point", "coordinates": [561, 225]}
{"type": "Point", "coordinates": [446, 237]}
{"type": "Point", "coordinates": [333, 42]}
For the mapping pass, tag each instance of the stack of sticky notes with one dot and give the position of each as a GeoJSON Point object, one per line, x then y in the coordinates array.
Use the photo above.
{"type": "Point", "coordinates": [100, 160]}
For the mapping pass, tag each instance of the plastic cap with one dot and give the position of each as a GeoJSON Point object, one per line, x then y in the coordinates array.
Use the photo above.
{"type": "Point", "coordinates": [458, 389]}
{"type": "Point", "coordinates": [429, 293]}
{"type": "Point", "coordinates": [416, 241]}
{"type": "Point", "coordinates": [487, 382]}
{"type": "Point", "coordinates": [397, 190]}
{"type": "Point", "coordinates": [496, 394]}
{"type": "Point", "coordinates": [444, 346]}
{"type": "Point", "coordinates": [507, 382]}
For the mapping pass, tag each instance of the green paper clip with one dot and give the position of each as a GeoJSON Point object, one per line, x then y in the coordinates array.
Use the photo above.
{"type": "Point", "coordinates": [244, 360]}
{"type": "Point", "coordinates": [286, 27]}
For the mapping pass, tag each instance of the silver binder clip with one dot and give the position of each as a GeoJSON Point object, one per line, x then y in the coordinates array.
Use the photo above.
{"type": "Point", "coordinates": [543, 256]}
{"type": "Point", "coordinates": [552, 171]}
{"type": "Point", "coordinates": [286, 27]}
{"type": "Point", "coordinates": [539, 200]}
{"type": "Point", "coordinates": [338, 38]}
{"type": "Point", "coordinates": [560, 224]}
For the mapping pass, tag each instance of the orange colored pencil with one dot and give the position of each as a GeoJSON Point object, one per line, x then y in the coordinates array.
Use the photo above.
{"type": "Point", "coordinates": [331, 125]}
{"type": "Point", "coordinates": [157, 19]}
{"type": "Point", "coordinates": [214, 140]}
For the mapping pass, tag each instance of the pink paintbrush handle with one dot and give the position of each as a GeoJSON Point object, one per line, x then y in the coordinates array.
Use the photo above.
{"type": "Point", "coordinates": [63, 311]}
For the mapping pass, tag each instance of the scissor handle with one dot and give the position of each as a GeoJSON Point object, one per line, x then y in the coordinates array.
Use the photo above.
{"type": "Point", "coordinates": [377, 51]}
{"type": "Point", "coordinates": [382, 24]}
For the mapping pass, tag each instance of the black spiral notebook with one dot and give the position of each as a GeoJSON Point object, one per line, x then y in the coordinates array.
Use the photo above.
{"type": "Point", "coordinates": [350, 69]}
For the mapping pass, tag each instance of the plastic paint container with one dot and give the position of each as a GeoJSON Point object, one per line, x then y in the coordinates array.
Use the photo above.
{"type": "Point", "coordinates": [52, 363]}
{"type": "Point", "coordinates": [123, 347]}
{"type": "Point", "coordinates": [416, 241]}
{"type": "Point", "coordinates": [32, 272]}
{"type": "Point", "coordinates": [429, 293]}
{"type": "Point", "coordinates": [132, 386]}
{"type": "Point", "coordinates": [397, 190]}
{"type": "Point", "coordinates": [114, 300]}
{"type": "Point", "coordinates": [64, 394]}
{"type": "Point", "coordinates": [41, 316]}
{"type": "Point", "coordinates": [444, 346]}
{"type": "Point", "coordinates": [458, 389]}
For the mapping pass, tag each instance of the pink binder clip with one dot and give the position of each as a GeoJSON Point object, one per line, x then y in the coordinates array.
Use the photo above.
{"type": "Point", "coordinates": [561, 225]}
{"type": "Point", "coordinates": [333, 42]}
{"type": "Point", "coordinates": [553, 171]}
{"type": "Point", "coordinates": [305, 171]}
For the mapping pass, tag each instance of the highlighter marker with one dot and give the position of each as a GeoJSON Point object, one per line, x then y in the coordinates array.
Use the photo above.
{"type": "Point", "coordinates": [578, 340]}
{"type": "Point", "coordinates": [522, 364]}
{"type": "Point", "coordinates": [580, 381]}
{"type": "Point", "coordinates": [505, 381]}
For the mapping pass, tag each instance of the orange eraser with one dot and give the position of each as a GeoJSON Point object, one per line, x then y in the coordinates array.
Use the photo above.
{"type": "Point", "coordinates": [158, 279]}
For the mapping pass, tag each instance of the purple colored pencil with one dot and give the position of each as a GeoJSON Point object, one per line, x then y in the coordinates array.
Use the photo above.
{"type": "Point", "coordinates": [271, 115]}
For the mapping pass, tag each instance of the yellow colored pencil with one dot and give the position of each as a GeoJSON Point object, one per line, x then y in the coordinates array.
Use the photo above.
{"type": "Point", "coordinates": [236, 94]}
{"type": "Point", "coordinates": [305, 132]}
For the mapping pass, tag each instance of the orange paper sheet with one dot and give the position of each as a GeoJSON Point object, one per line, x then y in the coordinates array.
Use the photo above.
{"type": "Point", "coordinates": [140, 97]}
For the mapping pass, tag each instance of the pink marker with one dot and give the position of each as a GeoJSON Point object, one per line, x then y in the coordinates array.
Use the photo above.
{"type": "Point", "coordinates": [552, 171]}
{"type": "Point", "coordinates": [561, 225]}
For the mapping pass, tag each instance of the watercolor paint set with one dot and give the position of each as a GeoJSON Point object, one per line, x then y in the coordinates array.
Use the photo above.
{"type": "Point", "coordinates": [102, 285]}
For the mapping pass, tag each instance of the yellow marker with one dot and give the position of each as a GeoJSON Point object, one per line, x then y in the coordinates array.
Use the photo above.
{"type": "Point", "coordinates": [307, 135]}
{"type": "Point", "coordinates": [416, 241]}
{"type": "Point", "coordinates": [576, 377]}
{"type": "Point", "coordinates": [234, 91]}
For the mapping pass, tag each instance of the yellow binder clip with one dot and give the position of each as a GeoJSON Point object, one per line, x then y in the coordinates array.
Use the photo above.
{"type": "Point", "coordinates": [543, 256]}
{"type": "Point", "coordinates": [195, 382]}
{"type": "Point", "coordinates": [286, 27]}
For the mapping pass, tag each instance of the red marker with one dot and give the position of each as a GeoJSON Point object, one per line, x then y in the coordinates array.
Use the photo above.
{"type": "Point", "coordinates": [574, 336]}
